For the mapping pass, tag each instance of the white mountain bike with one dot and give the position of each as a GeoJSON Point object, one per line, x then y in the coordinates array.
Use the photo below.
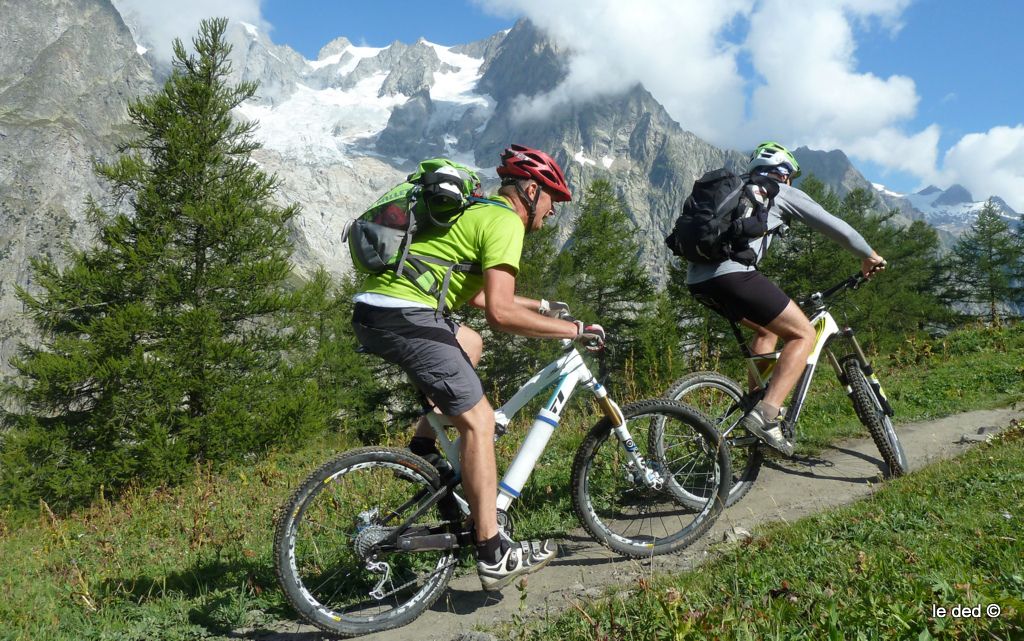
{"type": "Point", "coordinates": [371, 539]}
{"type": "Point", "coordinates": [725, 402]}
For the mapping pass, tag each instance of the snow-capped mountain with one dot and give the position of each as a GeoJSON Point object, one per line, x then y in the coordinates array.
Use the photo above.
{"type": "Point", "coordinates": [337, 131]}
{"type": "Point", "coordinates": [952, 210]}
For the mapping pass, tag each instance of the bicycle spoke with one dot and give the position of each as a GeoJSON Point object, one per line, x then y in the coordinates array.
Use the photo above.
{"type": "Point", "coordinates": [338, 574]}
{"type": "Point", "coordinates": [616, 504]}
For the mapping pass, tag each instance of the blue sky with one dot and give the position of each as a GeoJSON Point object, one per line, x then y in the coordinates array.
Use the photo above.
{"type": "Point", "coordinates": [307, 25]}
{"type": "Point", "coordinates": [915, 91]}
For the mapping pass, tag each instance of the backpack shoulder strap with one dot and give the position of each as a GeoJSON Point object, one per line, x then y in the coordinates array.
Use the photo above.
{"type": "Point", "coordinates": [413, 266]}
{"type": "Point", "coordinates": [474, 200]}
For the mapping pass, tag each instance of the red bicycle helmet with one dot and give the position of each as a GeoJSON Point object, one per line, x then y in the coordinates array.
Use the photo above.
{"type": "Point", "coordinates": [522, 162]}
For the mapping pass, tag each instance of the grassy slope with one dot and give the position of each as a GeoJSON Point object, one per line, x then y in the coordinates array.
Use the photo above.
{"type": "Point", "coordinates": [946, 536]}
{"type": "Point", "coordinates": [195, 561]}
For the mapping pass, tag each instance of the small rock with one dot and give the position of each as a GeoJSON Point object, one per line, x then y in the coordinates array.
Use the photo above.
{"type": "Point", "coordinates": [475, 636]}
{"type": "Point", "coordinates": [981, 435]}
{"type": "Point", "coordinates": [737, 534]}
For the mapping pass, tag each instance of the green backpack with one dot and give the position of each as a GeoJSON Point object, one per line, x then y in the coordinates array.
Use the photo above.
{"type": "Point", "coordinates": [434, 195]}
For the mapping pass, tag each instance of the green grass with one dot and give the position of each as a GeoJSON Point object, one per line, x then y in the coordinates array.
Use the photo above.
{"type": "Point", "coordinates": [947, 536]}
{"type": "Point", "coordinates": [195, 561]}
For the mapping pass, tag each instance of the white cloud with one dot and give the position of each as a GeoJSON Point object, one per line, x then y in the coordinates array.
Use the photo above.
{"type": "Point", "coordinates": [672, 46]}
{"type": "Point", "coordinates": [811, 90]}
{"type": "Point", "coordinates": [989, 164]}
{"type": "Point", "coordinates": [915, 154]}
{"type": "Point", "coordinates": [156, 23]}
{"type": "Point", "coordinates": [806, 87]}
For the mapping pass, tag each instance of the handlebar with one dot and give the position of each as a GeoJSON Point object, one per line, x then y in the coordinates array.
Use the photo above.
{"type": "Point", "coordinates": [853, 282]}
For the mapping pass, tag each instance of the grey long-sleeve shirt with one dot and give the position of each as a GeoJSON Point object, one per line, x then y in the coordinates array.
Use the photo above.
{"type": "Point", "coordinates": [790, 203]}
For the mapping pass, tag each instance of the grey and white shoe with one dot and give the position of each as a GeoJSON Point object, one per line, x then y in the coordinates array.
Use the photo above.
{"type": "Point", "coordinates": [768, 431]}
{"type": "Point", "coordinates": [520, 558]}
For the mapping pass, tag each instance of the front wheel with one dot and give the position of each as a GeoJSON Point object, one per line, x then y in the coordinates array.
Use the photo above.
{"type": "Point", "coordinates": [639, 512]}
{"type": "Point", "coordinates": [720, 399]}
{"type": "Point", "coordinates": [871, 414]}
{"type": "Point", "coordinates": [332, 548]}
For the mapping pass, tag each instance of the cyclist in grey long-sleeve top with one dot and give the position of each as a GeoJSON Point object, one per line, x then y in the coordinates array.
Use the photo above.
{"type": "Point", "coordinates": [742, 294]}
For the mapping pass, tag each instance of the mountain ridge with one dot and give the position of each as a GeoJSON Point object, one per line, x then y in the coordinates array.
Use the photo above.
{"type": "Point", "coordinates": [337, 131]}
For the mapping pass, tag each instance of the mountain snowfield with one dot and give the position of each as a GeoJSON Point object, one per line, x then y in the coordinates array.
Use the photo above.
{"type": "Point", "coordinates": [326, 116]}
{"type": "Point", "coordinates": [952, 210]}
{"type": "Point", "coordinates": [333, 113]}
{"type": "Point", "coordinates": [328, 124]}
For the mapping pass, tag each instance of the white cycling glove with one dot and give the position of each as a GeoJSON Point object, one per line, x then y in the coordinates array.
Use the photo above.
{"type": "Point", "coordinates": [554, 309]}
{"type": "Point", "coordinates": [590, 336]}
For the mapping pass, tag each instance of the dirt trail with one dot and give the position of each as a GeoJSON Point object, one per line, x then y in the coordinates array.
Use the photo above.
{"type": "Point", "coordinates": [785, 491]}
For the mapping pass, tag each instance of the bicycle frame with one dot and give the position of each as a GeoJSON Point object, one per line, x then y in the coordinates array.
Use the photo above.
{"type": "Point", "coordinates": [761, 366]}
{"type": "Point", "coordinates": [566, 373]}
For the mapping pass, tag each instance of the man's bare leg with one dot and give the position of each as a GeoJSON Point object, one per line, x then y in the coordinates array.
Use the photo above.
{"type": "Point", "coordinates": [479, 470]}
{"type": "Point", "coordinates": [795, 329]}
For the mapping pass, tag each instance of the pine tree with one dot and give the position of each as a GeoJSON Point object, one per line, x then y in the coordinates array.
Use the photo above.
{"type": "Point", "coordinates": [983, 261]}
{"type": "Point", "coordinates": [164, 344]}
{"type": "Point", "coordinates": [600, 274]}
{"type": "Point", "coordinates": [1017, 268]}
{"type": "Point", "coordinates": [356, 383]}
{"type": "Point", "coordinates": [907, 297]}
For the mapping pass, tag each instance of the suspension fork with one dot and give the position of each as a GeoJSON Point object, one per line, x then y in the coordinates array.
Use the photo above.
{"type": "Point", "coordinates": [651, 477]}
{"type": "Point", "coordinates": [866, 367]}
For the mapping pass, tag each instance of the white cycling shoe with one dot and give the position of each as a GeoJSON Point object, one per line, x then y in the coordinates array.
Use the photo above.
{"type": "Point", "coordinates": [520, 558]}
{"type": "Point", "coordinates": [770, 432]}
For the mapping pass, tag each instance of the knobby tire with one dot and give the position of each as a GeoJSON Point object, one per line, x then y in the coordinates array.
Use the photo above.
{"type": "Point", "coordinates": [870, 413]}
{"type": "Point", "coordinates": [631, 518]}
{"type": "Point", "coordinates": [325, 528]}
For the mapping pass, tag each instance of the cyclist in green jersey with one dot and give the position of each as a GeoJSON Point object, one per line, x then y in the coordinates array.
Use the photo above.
{"type": "Point", "coordinates": [398, 321]}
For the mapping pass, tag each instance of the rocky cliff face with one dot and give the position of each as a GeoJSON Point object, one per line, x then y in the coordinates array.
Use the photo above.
{"type": "Point", "coordinates": [337, 131]}
{"type": "Point", "coordinates": [67, 71]}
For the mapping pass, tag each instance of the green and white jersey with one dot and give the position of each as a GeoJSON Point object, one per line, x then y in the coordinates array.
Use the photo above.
{"type": "Point", "coordinates": [490, 235]}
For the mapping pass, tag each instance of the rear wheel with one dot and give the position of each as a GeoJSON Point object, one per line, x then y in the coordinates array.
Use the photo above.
{"type": "Point", "coordinates": [719, 398]}
{"type": "Point", "coordinates": [641, 512]}
{"type": "Point", "coordinates": [871, 414]}
{"type": "Point", "coordinates": [331, 545]}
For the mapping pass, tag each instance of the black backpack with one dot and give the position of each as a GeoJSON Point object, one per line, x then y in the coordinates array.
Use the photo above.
{"type": "Point", "coordinates": [722, 214]}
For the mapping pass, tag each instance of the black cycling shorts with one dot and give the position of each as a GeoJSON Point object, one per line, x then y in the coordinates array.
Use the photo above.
{"type": "Point", "coordinates": [742, 295]}
{"type": "Point", "coordinates": [421, 342]}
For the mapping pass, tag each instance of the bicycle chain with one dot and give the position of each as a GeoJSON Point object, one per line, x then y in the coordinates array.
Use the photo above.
{"type": "Point", "coordinates": [398, 589]}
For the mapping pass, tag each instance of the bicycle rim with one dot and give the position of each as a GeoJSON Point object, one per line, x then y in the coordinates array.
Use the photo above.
{"type": "Point", "coordinates": [897, 447]}
{"type": "Point", "coordinates": [328, 551]}
{"type": "Point", "coordinates": [717, 397]}
{"type": "Point", "coordinates": [623, 512]}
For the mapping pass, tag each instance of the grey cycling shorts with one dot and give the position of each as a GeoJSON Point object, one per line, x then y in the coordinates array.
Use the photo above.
{"type": "Point", "coordinates": [421, 342]}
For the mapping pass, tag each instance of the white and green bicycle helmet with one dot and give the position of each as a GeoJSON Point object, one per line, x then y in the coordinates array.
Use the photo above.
{"type": "Point", "coordinates": [772, 155]}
